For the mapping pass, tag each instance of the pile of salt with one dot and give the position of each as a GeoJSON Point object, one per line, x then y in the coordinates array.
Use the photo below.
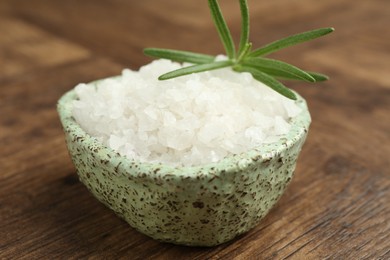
{"type": "Point", "coordinates": [191, 120]}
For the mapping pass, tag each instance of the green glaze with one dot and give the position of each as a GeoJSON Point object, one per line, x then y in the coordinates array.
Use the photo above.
{"type": "Point", "coordinates": [196, 206]}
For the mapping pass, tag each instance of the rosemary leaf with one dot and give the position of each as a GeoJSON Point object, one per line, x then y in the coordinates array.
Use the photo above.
{"type": "Point", "coordinates": [278, 68]}
{"type": "Point", "coordinates": [222, 28]}
{"type": "Point", "coordinates": [244, 38]}
{"type": "Point", "coordinates": [268, 80]}
{"type": "Point", "coordinates": [318, 76]}
{"type": "Point", "coordinates": [180, 56]}
{"type": "Point", "coordinates": [195, 69]}
{"type": "Point", "coordinates": [289, 41]}
{"type": "Point", "coordinates": [281, 75]}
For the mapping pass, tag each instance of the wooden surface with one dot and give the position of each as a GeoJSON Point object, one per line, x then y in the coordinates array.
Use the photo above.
{"type": "Point", "coordinates": [338, 204]}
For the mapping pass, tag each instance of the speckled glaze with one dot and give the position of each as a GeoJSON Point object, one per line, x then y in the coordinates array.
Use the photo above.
{"type": "Point", "coordinates": [196, 206]}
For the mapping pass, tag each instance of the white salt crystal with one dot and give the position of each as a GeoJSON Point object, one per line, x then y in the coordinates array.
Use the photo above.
{"type": "Point", "coordinates": [255, 134]}
{"type": "Point", "coordinates": [210, 131]}
{"type": "Point", "coordinates": [291, 108]}
{"type": "Point", "coordinates": [281, 127]}
{"type": "Point", "coordinates": [116, 142]}
{"type": "Point", "coordinates": [190, 120]}
{"type": "Point", "coordinates": [169, 118]}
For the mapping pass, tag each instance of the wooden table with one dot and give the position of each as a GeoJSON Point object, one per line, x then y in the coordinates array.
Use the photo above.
{"type": "Point", "coordinates": [338, 204]}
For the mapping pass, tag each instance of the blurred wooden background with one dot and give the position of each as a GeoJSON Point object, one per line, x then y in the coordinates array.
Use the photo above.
{"type": "Point", "coordinates": [337, 206]}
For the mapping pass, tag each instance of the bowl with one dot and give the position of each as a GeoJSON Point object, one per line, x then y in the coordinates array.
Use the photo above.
{"type": "Point", "coordinates": [195, 206]}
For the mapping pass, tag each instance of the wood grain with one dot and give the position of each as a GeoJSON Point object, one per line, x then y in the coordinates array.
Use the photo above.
{"type": "Point", "coordinates": [337, 206]}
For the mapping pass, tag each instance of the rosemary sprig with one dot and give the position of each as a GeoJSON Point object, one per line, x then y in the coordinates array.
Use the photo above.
{"type": "Point", "coordinates": [245, 59]}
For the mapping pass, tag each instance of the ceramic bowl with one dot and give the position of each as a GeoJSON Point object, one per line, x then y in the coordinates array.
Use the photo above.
{"type": "Point", "coordinates": [197, 206]}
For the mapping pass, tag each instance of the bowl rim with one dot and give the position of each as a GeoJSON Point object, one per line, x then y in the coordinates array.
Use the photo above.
{"type": "Point", "coordinates": [231, 163]}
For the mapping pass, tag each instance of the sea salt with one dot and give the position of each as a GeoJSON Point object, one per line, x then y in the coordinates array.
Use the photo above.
{"type": "Point", "coordinates": [190, 120]}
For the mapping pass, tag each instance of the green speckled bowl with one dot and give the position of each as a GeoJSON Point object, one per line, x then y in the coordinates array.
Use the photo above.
{"type": "Point", "coordinates": [197, 206]}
